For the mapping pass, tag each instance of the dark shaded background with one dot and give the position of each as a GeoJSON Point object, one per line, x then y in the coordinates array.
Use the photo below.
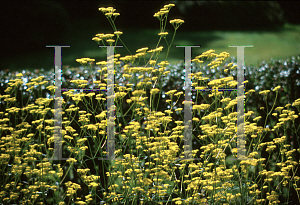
{"type": "Point", "coordinates": [28, 26]}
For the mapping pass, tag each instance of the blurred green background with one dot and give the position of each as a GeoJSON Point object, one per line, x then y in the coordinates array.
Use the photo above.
{"type": "Point", "coordinates": [271, 27]}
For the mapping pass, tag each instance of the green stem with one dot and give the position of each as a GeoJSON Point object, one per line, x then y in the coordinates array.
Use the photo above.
{"type": "Point", "coordinates": [170, 44]}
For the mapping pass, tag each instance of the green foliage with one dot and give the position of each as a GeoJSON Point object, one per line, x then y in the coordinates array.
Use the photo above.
{"type": "Point", "coordinates": [149, 166]}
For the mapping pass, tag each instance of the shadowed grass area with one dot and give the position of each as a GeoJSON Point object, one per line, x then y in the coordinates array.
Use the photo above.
{"type": "Point", "coordinates": [267, 45]}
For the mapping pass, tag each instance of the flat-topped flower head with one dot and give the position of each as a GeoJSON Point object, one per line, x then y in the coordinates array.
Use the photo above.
{"type": "Point", "coordinates": [171, 92]}
{"type": "Point", "coordinates": [109, 14]}
{"type": "Point", "coordinates": [100, 35]}
{"type": "Point", "coordinates": [101, 63]}
{"type": "Point", "coordinates": [265, 92]}
{"type": "Point", "coordinates": [176, 23]}
{"type": "Point", "coordinates": [152, 62]}
{"type": "Point", "coordinates": [276, 88]}
{"type": "Point", "coordinates": [138, 92]}
{"type": "Point", "coordinates": [142, 50]}
{"type": "Point", "coordinates": [108, 9]}
{"type": "Point", "coordinates": [83, 61]}
{"type": "Point", "coordinates": [154, 91]}
{"type": "Point", "coordinates": [163, 63]}
{"type": "Point", "coordinates": [97, 39]}
{"type": "Point", "coordinates": [169, 6]}
{"type": "Point", "coordinates": [179, 93]}
{"type": "Point", "coordinates": [163, 34]}
{"type": "Point", "coordinates": [257, 118]}
{"type": "Point", "coordinates": [163, 11]}
{"type": "Point", "coordinates": [118, 33]}
{"type": "Point", "coordinates": [110, 41]}
{"type": "Point", "coordinates": [159, 49]}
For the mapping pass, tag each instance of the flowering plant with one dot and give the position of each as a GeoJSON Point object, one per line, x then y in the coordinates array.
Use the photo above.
{"type": "Point", "coordinates": [149, 165]}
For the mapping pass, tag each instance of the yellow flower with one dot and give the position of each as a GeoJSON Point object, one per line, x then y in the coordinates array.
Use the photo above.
{"type": "Point", "coordinates": [154, 91]}
{"type": "Point", "coordinates": [159, 49]}
{"type": "Point", "coordinates": [279, 109]}
{"type": "Point", "coordinates": [152, 62]}
{"type": "Point", "coordinates": [138, 92]}
{"type": "Point", "coordinates": [118, 33]}
{"type": "Point", "coordinates": [120, 95]}
{"type": "Point", "coordinates": [169, 5]}
{"type": "Point", "coordinates": [201, 107]}
{"type": "Point", "coordinates": [109, 14]}
{"type": "Point", "coordinates": [163, 63]}
{"type": "Point", "coordinates": [102, 9]}
{"type": "Point", "coordinates": [71, 160]}
{"type": "Point", "coordinates": [96, 39]}
{"type": "Point", "coordinates": [90, 94]}
{"type": "Point", "coordinates": [128, 101]}
{"type": "Point", "coordinates": [179, 109]}
{"type": "Point", "coordinates": [171, 92]}
{"type": "Point", "coordinates": [142, 49]}
{"type": "Point", "coordinates": [163, 34]}
{"type": "Point", "coordinates": [158, 15]}
{"type": "Point", "coordinates": [287, 105]}
{"type": "Point", "coordinates": [200, 88]}
{"type": "Point", "coordinates": [265, 92]}
{"type": "Point", "coordinates": [101, 63]}
{"type": "Point", "coordinates": [110, 41]}
{"type": "Point", "coordinates": [257, 118]}
{"type": "Point", "coordinates": [197, 61]}
{"type": "Point", "coordinates": [176, 21]}
{"type": "Point", "coordinates": [233, 67]}
{"type": "Point", "coordinates": [250, 91]}
{"type": "Point", "coordinates": [82, 85]}
{"type": "Point", "coordinates": [163, 11]}
{"type": "Point", "coordinates": [108, 9]}
{"type": "Point", "coordinates": [179, 93]}
{"type": "Point", "coordinates": [276, 88]}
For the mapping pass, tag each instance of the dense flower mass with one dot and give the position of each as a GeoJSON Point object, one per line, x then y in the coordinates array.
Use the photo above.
{"type": "Point", "coordinates": [149, 164]}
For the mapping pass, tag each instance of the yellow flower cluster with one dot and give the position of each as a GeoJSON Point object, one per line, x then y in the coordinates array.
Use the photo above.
{"type": "Point", "coordinates": [151, 148]}
{"type": "Point", "coordinates": [163, 12]}
{"type": "Point", "coordinates": [201, 107]}
{"type": "Point", "coordinates": [109, 12]}
{"type": "Point", "coordinates": [176, 23]}
{"type": "Point", "coordinates": [84, 60]}
{"type": "Point", "coordinates": [163, 34]}
{"type": "Point", "coordinates": [159, 49]}
{"type": "Point", "coordinates": [265, 92]}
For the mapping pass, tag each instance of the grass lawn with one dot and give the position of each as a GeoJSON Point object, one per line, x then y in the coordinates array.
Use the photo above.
{"type": "Point", "coordinates": [266, 44]}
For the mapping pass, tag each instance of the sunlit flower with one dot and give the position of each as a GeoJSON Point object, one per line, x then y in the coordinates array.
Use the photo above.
{"type": "Point", "coordinates": [265, 92]}
{"type": "Point", "coordinates": [276, 88]}
{"type": "Point", "coordinates": [163, 34]}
